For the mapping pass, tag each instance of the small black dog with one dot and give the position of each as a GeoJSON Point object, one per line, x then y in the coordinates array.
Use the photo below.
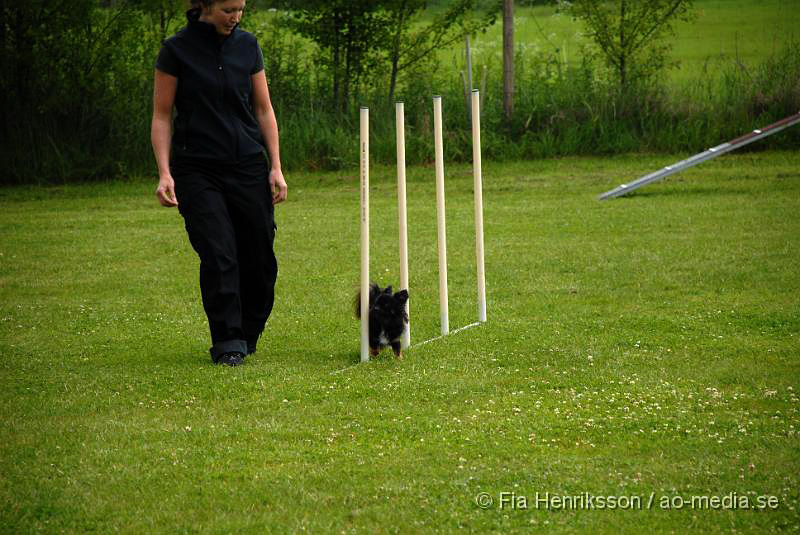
{"type": "Point", "coordinates": [387, 318]}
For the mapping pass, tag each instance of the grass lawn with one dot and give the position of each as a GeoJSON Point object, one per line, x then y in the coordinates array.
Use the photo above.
{"type": "Point", "coordinates": [722, 31]}
{"type": "Point", "coordinates": [644, 348]}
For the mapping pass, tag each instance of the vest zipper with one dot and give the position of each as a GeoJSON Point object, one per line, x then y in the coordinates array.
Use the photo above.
{"type": "Point", "coordinates": [225, 103]}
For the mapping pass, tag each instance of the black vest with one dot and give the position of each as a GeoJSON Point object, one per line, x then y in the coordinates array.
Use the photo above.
{"type": "Point", "coordinates": [215, 118]}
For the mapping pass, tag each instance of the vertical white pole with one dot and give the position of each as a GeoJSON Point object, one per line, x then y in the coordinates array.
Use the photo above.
{"type": "Point", "coordinates": [478, 187]}
{"type": "Point", "coordinates": [401, 210]}
{"type": "Point", "coordinates": [364, 234]}
{"type": "Point", "coordinates": [437, 130]}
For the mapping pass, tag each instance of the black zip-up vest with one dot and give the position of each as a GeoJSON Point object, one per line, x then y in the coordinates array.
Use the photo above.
{"type": "Point", "coordinates": [215, 118]}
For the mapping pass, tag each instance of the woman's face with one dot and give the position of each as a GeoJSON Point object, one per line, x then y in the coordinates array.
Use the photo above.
{"type": "Point", "coordinates": [224, 15]}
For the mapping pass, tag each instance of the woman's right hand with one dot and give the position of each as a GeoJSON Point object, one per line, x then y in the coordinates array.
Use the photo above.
{"type": "Point", "coordinates": [165, 193]}
{"type": "Point", "coordinates": [165, 86]}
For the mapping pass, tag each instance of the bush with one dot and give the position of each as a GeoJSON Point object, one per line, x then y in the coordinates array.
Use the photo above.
{"type": "Point", "coordinates": [77, 89]}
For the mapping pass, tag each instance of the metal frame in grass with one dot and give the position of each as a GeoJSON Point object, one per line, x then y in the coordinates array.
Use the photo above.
{"type": "Point", "coordinates": [402, 216]}
{"type": "Point", "coordinates": [701, 157]}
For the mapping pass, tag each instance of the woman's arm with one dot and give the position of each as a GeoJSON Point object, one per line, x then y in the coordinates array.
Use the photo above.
{"type": "Point", "coordinates": [164, 89]}
{"type": "Point", "coordinates": [269, 130]}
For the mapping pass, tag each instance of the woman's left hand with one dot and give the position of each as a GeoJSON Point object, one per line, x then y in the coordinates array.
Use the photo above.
{"type": "Point", "coordinates": [278, 186]}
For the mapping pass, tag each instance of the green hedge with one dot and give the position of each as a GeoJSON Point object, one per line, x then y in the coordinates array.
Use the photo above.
{"type": "Point", "coordinates": [78, 88]}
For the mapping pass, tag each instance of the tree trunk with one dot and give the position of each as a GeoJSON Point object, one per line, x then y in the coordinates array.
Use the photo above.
{"type": "Point", "coordinates": [508, 59]}
{"type": "Point", "coordinates": [393, 81]}
{"type": "Point", "coordinates": [3, 44]}
{"type": "Point", "coordinates": [336, 60]}
{"type": "Point", "coordinates": [623, 46]}
{"type": "Point", "coordinates": [396, 51]}
{"type": "Point", "coordinates": [468, 81]}
{"type": "Point", "coordinates": [163, 22]}
{"type": "Point", "coordinates": [347, 82]}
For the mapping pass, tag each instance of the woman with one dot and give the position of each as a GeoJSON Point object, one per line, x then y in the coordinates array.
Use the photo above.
{"type": "Point", "coordinates": [212, 167]}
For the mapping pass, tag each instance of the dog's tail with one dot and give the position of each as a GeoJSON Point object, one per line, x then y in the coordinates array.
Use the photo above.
{"type": "Point", "coordinates": [374, 290]}
{"type": "Point", "coordinates": [357, 304]}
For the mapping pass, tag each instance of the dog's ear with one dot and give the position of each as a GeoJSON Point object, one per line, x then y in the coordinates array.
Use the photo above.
{"type": "Point", "coordinates": [388, 290]}
{"type": "Point", "coordinates": [374, 291]}
{"type": "Point", "coordinates": [401, 297]}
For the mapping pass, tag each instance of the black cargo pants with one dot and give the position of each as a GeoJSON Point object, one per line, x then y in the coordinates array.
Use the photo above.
{"type": "Point", "coordinates": [229, 217]}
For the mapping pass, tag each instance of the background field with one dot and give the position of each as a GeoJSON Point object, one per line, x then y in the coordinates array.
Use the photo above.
{"type": "Point", "coordinates": [738, 65]}
{"type": "Point", "coordinates": [739, 70]}
{"type": "Point", "coordinates": [722, 31]}
{"type": "Point", "coordinates": [645, 346]}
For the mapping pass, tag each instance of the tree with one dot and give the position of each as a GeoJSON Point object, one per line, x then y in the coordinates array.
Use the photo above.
{"type": "Point", "coordinates": [406, 47]}
{"type": "Point", "coordinates": [629, 33]}
{"type": "Point", "coordinates": [358, 34]}
{"type": "Point", "coordinates": [50, 46]}
{"type": "Point", "coordinates": [349, 32]}
{"type": "Point", "coordinates": [508, 59]}
{"type": "Point", "coordinates": [164, 10]}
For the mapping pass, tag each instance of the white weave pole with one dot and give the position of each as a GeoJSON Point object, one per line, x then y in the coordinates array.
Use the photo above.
{"type": "Point", "coordinates": [364, 234]}
{"type": "Point", "coordinates": [478, 187]}
{"type": "Point", "coordinates": [401, 210]}
{"type": "Point", "coordinates": [440, 216]}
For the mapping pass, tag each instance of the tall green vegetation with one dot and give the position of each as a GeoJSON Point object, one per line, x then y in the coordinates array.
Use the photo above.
{"type": "Point", "coordinates": [411, 43]}
{"type": "Point", "coordinates": [165, 12]}
{"type": "Point", "coordinates": [631, 34]}
{"type": "Point", "coordinates": [356, 37]}
{"type": "Point", "coordinates": [76, 84]}
{"type": "Point", "coordinates": [348, 34]}
{"type": "Point", "coordinates": [77, 87]}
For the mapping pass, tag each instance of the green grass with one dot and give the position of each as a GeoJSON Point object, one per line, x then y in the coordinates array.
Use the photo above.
{"type": "Point", "coordinates": [646, 345]}
{"type": "Point", "coordinates": [725, 30]}
{"type": "Point", "coordinates": [726, 85]}
{"type": "Point", "coordinates": [722, 31]}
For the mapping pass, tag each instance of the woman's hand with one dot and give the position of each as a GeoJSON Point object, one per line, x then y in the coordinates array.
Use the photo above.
{"type": "Point", "coordinates": [166, 191]}
{"type": "Point", "coordinates": [164, 89]}
{"type": "Point", "coordinates": [278, 186]}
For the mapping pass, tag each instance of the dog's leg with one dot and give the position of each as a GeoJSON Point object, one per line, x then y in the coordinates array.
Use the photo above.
{"type": "Point", "coordinates": [398, 352]}
{"type": "Point", "coordinates": [373, 351]}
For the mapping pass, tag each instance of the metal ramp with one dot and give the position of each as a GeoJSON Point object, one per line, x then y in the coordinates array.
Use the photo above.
{"type": "Point", "coordinates": [713, 152]}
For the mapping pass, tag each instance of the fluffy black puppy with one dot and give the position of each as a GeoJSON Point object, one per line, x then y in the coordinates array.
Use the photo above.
{"type": "Point", "coordinates": [387, 318]}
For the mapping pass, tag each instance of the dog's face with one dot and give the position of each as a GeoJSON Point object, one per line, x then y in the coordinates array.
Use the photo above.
{"type": "Point", "coordinates": [387, 306]}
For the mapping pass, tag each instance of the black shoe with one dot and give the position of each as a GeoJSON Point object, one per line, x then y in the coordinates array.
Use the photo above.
{"type": "Point", "coordinates": [232, 358]}
{"type": "Point", "coordinates": [251, 345]}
